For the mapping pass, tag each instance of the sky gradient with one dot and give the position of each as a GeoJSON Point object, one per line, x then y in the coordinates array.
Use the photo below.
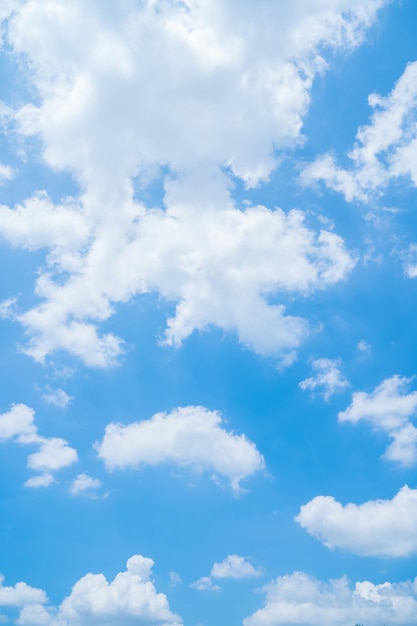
{"type": "Point", "coordinates": [208, 238]}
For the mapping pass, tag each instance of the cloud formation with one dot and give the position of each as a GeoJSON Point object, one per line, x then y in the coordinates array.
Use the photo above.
{"type": "Point", "coordinates": [190, 437]}
{"type": "Point", "coordinates": [389, 408]}
{"type": "Point", "coordinates": [233, 566]}
{"type": "Point", "coordinates": [53, 453]}
{"type": "Point", "coordinates": [383, 528]}
{"type": "Point", "coordinates": [385, 149]}
{"type": "Point", "coordinates": [220, 102]}
{"type": "Point", "coordinates": [327, 378]}
{"type": "Point", "coordinates": [301, 600]}
{"type": "Point", "coordinates": [130, 598]}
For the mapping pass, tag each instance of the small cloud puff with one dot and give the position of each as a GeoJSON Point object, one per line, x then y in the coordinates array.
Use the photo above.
{"type": "Point", "coordinates": [84, 484]}
{"type": "Point", "coordinates": [233, 566]}
{"type": "Point", "coordinates": [56, 397]}
{"type": "Point", "coordinates": [327, 378]}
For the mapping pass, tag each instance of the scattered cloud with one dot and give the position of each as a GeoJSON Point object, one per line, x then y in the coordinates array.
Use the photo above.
{"type": "Point", "coordinates": [327, 378]}
{"type": "Point", "coordinates": [364, 346]}
{"type": "Point", "coordinates": [410, 261]}
{"type": "Point", "coordinates": [302, 600]}
{"type": "Point", "coordinates": [174, 579]}
{"type": "Point", "coordinates": [389, 408]}
{"type": "Point", "coordinates": [130, 597]}
{"type": "Point", "coordinates": [53, 453]}
{"type": "Point", "coordinates": [385, 149]}
{"type": "Point", "coordinates": [205, 583]}
{"type": "Point", "coordinates": [190, 437]}
{"type": "Point", "coordinates": [84, 484]}
{"type": "Point", "coordinates": [383, 528]}
{"type": "Point", "coordinates": [56, 397]}
{"type": "Point", "coordinates": [6, 173]}
{"type": "Point", "coordinates": [233, 566]}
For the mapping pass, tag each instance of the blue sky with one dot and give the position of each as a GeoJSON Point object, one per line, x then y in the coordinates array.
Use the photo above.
{"type": "Point", "coordinates": [208, 236]}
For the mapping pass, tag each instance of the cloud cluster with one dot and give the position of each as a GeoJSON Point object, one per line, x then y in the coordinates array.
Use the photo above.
{"type": "Point", "coordinates": [389, 408]}
{"type": "Point", "coordinates": [327, 378]}
{"type": "Point", "coordinates": [184, 93]}
{"type": "Point", "coordinates": [385, 150]}
{"type": "Point", "coordinates": [301, 600]}
{"type": "Point", "coordinates": [233, 566]}
{"type": "Point", "coordinates": [190, 437]}
{"type": "Point", "coordinates": [376, 528]}
{"type": "Point", "coordinates": [52, 454]}
{"type": "Point", "coordinates": [130, 598]}
{"type": "Point", "coordinates": [20, 595]}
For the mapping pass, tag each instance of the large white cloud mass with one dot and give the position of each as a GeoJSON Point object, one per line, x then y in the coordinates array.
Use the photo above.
{"type": "Point", "coordinates": [184, 92]}
{"type": "Point", "coordinates": [131, 598]}
{"type": "Point", "coordinates": [190, 437]}
{"type": "Point", "coordinates": [384, 528]}
{"type": "Point", "coordinates": [301, 600]}
{"type": "Point", "coordinates": [389, 408]}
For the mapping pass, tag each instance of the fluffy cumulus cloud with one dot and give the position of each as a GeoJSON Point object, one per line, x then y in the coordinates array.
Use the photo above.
{"type": "Point", "coordinates": [376, 528]}
{"type": "Point", "coordinates": [389, 408]}
{"type": "Point", "coordinates": [233, 566]}
{"type": "Point", "coordinates": [52, 453]}
{"type": "Point", "coordinates": [131, 598]}
{"type": "Point", "coordinates": [190, 437]}
{"type": "Point", "coordinates": [20, 594]}
{"type": "Point", "coordinates": [220, 102]}
{"type": "Point", "coordinates": [327, 378]}
{"type": "Point", "coordinates": [386, 149]}
{"type": "Point", "coordinates": [302, 600]}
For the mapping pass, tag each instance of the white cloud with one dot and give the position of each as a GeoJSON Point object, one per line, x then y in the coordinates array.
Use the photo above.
{"type": "Point", "coordinates": [20, 594]}
{"type": "Point", "coordinates": [43, 480]}
{"type": "Point", "coordinates": [364, 346]}
{"type": "Point", "coordinates": [130, 598]}
{"type": "Point", "coordinates": [302, 600]}
{"type": "Point", "coordinates": [53, 453]}
{"type": "Point", "coordinates": [6, 173]}
{"type": "Point", "coordinates": [233, 566]}
{"type": "Point", "coordinates": [410, 261]}
{"type": "Point", "coordinates": [389, 408]}
{"type": "Point", "coordinates": [56, 397]}
{"type": "Point", "coordinates": [84, 483]}
{"type": "Point", "coordinates": [384, 528]}
{"type": "Point", "coordinates": [205, 583]}
{"type": "Point", "coordinates": [19, 421]}
{"type": "Point", "coordinates": [328, 378]}
{"type": "Point", "coordinates": [236, 96]}
{"type": "Point", "coordinates": [386, 149]}
{"type": "Point", "coordinates": [190, 437]}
